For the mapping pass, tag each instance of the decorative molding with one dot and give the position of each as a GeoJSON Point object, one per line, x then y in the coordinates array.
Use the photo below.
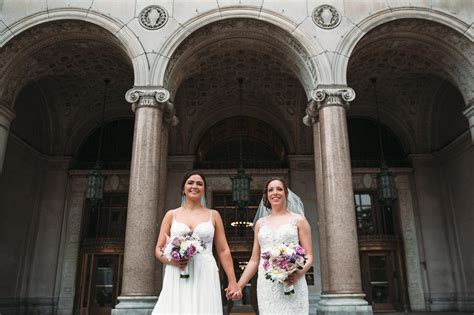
{"type": "Point", "coordinates": [326, 17]}
{"type": "Point", "coordinates": [325, 98]}
{"type": "Point", "coordinates": [156, 97]}
{"type": "Point", "coordinates": [153, 17]}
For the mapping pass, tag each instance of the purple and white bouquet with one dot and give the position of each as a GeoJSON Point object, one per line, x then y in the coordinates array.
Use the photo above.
{"type": "Point", "coordinates": [281, 261]}
{"type": "Point", "coordinates": [183, 246]}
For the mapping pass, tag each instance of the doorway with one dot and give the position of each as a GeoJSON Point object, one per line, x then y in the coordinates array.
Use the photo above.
{"type": "Point", "coordinates": [102, 248]}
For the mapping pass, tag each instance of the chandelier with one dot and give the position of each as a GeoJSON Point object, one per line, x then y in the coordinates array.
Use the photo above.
{"type": "Point", "coordinates": [241, 182]}
{"type": "Point", "coordinates": [386, 180]}
{"type": "Point", "coordinates": [96, 180]}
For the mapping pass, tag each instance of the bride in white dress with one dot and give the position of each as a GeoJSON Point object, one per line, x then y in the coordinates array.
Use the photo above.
{"type": "Point", "coordinates": [200, 293]}
{"type": "Point", "coordinates": [280, 225]}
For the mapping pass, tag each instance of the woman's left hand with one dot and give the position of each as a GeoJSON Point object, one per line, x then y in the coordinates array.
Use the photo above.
{"type": "Point", "coordinates": [295, 276]}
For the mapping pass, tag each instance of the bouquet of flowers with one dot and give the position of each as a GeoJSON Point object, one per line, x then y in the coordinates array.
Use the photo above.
{"type": "Point", "coordinates": [183, 246]}
{"type": "Point", "coordinates": [281, 261]}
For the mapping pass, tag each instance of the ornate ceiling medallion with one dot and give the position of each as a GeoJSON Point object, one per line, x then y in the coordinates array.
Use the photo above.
{"type": "Point", "coordinates": [326, 16]}
{"type": "Point", "coordinates": [153, 17]}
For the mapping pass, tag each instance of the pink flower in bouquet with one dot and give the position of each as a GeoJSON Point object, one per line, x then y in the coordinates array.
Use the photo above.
{"type": "Point", "coordinates": [183, 246]}
{"type": "Point", "coordinates": [282, 261]}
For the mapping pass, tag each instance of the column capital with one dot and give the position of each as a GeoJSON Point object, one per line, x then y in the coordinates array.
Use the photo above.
{"type": "Point", "coordinates": [157, 97]}
{"type": "Point", "coordinates": [326, 97]}
{"type": "Point", "coordinates": [147, 96]}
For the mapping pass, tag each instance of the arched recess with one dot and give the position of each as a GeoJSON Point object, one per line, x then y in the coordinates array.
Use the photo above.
{"type": "Point", "coordinates": [116, 151]}
{"type": "Point", "coordinates": [240, 138]}
{"type": "Point", "coordinates": [68, 70]}
{"type": "Point", "coordinates": [305, 55]}
{"type": "Point", "coordinates": [365, 145]}
{"type": "Point", "coordinates": [116, 29]}
{"type": "Point", "coordinates": [410, 60]}
{"type": "Point", "coordinates": [447, 35]}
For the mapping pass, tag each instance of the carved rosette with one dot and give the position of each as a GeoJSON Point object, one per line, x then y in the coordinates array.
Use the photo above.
{"type": "Point", "coordinates": [153, 97]}
{"type": "Point", "coordinates": [324, 98]}
{"type": "Point", "coordinates": [153, 17]}
{"type": "Point", "coordinates": [326, 16]}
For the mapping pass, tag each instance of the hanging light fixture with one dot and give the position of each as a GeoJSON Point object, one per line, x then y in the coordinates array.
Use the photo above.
{"type": "Point", "coordinates": [96, 180]}
{"type": "Point", "coordinates": [241, 182]}
{"type": "Point", "coordinates": [386, 180]}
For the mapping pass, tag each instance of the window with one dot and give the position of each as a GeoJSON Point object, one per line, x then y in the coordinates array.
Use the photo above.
{"type": "Point", "coordinates": [372, 217]}
{"type": "Point", "coordinates": [109, 219]}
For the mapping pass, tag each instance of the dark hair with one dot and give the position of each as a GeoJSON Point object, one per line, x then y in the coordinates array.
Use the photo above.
{"type": "Point", "coordinates": [266, 203]}
{"type": "Point", "coordinates": [189, 174]}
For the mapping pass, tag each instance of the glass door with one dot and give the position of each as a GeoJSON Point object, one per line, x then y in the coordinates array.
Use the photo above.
{"type": "Point", "coordinates": [379, 284]}
{"type": "Point", "coordinates": [100, 282]}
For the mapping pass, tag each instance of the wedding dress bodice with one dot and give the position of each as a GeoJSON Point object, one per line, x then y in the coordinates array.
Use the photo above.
{"type": "Point", "coordinates": [205, 231]}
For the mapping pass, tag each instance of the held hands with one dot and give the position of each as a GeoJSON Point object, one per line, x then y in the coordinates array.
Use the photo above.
{"type": "Point", "coordinates": [233, 292]}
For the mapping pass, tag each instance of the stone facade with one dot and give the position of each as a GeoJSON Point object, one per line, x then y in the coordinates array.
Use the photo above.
{"type": "Point", "coordinates": [305, 65]}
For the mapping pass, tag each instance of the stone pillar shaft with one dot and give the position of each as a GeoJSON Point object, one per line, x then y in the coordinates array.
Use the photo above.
{"type": "Point", "coordinates": [341, 278]}
{"type": "Point", "coordinates": [341, 232]}
{"type": "Point", "coordinates": [6, 117]}
{"type": "Point", "coordinates": [151, 108]}
{"type": "Point", "coordinates": [139, 260]}
{"type": "Point", "coordinates": [323, 256]}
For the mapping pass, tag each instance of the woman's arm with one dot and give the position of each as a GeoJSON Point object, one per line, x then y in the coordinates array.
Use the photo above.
{"type": "Point", "coordinates": [223, 251]}
{"type": "Point", "coordinates": [252, 265]}
{"type": "Point", "coordinates": [304, 235]}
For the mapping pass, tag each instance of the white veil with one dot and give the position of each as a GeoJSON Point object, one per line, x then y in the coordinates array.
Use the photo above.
{"type": "Point", "coordinates": [293, 204]}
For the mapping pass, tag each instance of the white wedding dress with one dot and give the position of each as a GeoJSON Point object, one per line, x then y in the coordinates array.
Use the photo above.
{"type": "Point", "coordinates": [200, 293]}
{"type": "Point", "coordinates": [270, 295]}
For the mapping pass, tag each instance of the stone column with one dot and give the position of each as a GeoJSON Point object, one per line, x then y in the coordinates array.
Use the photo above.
{"type": "Point", "coordinates": [342, 287]}
{"type": "Point", "coordinates": [169, 121]}
{"type": "Point", "coordinates": [469, 113]}
{"type": "Point", "coordinates": [150, 106]}
{"type": "Point", "coordinates": [6, 117]}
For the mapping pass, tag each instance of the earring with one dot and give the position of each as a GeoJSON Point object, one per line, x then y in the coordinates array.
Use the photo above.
{"type": "Point", "coordinates": [183, 200]}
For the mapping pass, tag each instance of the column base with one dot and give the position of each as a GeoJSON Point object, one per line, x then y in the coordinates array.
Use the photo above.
{"type": "Point", "coordinates": [135, 305]}
{"type": "Point", "coordinates": [343, 304]}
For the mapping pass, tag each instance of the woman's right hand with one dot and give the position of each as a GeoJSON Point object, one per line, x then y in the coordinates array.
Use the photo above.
{"type": "Point", "coordinates": [181, 264]}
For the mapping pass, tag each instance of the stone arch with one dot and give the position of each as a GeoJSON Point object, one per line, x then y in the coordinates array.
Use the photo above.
{"type": "Point", "coordinates": [392, 123]}
{"type": "Point", "coordinates": [69, 68]}
{"type": "Point", "coordinates": [253, 112]}
{"type": "Point", "coordinates": [314, 67]}
{"type": "Point", "coordinates": [459, 45]}
{"type": "Point", "coordinates": [83, 130]}
{"type": "Point", "coordinates": [125, 37]}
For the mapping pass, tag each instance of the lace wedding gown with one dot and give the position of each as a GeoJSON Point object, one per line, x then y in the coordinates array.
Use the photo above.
{"type": "Point", "coordinates": [270, 295]}
{"type": "Point", "coordinates": [200, 293]}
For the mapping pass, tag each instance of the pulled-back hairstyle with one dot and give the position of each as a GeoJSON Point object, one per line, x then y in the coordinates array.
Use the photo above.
{"type": "Point", "coordinates": [189, 174]}
{"type": "Point", "coordinates": [266, 203]}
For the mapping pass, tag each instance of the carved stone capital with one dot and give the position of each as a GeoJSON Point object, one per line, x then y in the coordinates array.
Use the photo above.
{"type": "Point", "coordinates": [324, 98]}
{"type": "Point", "coordinates": [153, 97]}
{"type": "Point", "coordinates": [147, 97]}
{"type": "Point", "coordinates": [170, 117]}
{"type": "Point", "coordinates": [311, 113]}
{"type": "Point", "coordinates": [333, 97]}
